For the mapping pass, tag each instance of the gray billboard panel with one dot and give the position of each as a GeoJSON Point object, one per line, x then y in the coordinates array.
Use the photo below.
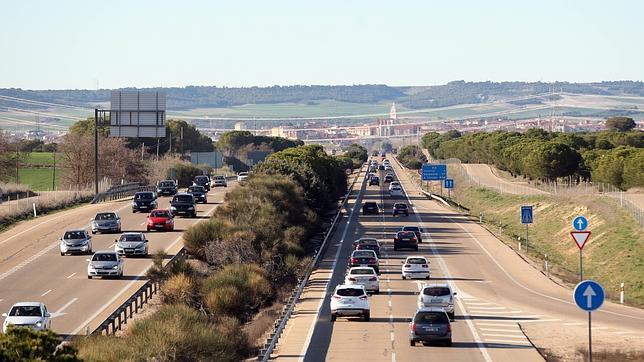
{"type": "Point", "coordinates": [137, 114]}
{"type": "Point", "coordinates": [213, 159]}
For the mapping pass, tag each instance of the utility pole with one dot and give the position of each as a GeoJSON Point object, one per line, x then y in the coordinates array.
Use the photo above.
{"type": "Point", "coordinates": [96, 150]}
{"type": "Point", "coordinates": [17, 161]}
{"type": "Point", "coordinates": [181, 141]}
{"type": "Point", "coordinates": [170, 152]}
{"type": "Point", "coordinates": [142, 150]}
{"type": "Point", "coordinates": [157, 148]}
{"type": "Point", "coordinates": [53, 177]}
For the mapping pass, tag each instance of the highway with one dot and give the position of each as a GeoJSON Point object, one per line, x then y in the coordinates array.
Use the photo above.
{"type": "Point", "coordinates": [497, 291]}
{"type": "Point", "coordinates": [32, 269]}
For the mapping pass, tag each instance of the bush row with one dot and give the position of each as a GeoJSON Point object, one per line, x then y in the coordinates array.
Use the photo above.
{"type": "Point", "coordinates": [411, 157]}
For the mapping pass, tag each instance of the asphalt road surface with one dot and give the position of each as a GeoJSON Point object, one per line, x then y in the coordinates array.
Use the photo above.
{"type": "Point", "coordinates": [32, 269]}
{"type": "Point", "coordinates": [496, 291]}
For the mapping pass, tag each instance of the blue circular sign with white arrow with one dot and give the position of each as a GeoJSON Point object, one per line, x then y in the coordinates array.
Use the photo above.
{"type": "Point", "coordinates": [580, 223]}
{"type": "Point", "coordinates": [589, 295]}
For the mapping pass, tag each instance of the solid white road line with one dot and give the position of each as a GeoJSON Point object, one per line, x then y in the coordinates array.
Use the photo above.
{"type": "Point", "coordinates": [494, 312]}
{"type": "Point", "coordinates": [60, 311]}
{"type": "Point", "coordinates": [624, 332]}
{"type": "Point", "coordinates": [539, 320]}
{"type": "Point", "coordinates": [503, 335]}
{"type": "Point", "coordinates": [575, 324]}
{"type": "Point", "coordinates": [504, 341]}
{"type": "Point", "coordinates": [501, 330]}
{"type": "Point", "coordinates": [45, 293]}
{"type": "Point", "coordinates": [71, 275]}
{"type": "Point", "coordinates": [486, 308]}
{"type": "Point", "coordinates": [506, 324]}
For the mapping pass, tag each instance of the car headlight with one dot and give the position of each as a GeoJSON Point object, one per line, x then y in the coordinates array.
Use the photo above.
{"type": "Point", "coordinates": [191, 208]}
{"type": "Point", "coordinates": [115, 267]}
{"type": "Point", "coordinates": [173, 208]}
{"type": "Point", "coordinates": [168, 221]}
{"type": "Point", "coordinates": [39, 324]}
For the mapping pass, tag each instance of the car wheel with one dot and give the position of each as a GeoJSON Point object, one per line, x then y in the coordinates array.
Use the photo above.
{"type": "Point", "coordinates": [427, 277]}
{"type": "Point", "coordinates": [404, 277]}
{"type": "Point", "coordinates": [93, 232]}
{"type": "Point", "coordinates": [451, 316]}
{"type": "Point", "coordinates": [148, 229]}
{"type": "Point", "coordinates": [62, 254]}
{"type": "Point", "coordinates": [89, 277]}
{"type": "Point", "coordinates": [416, 248]}
{"type": "Point", "coordinates": [449, 343]}
{"type": "Point", "coordinates": [377, 291]}
{"type": "Point", "coordinates": [367, 316]}
{"type": "Point", "coordinates": [333, 317]}
{"type": "Point", "coordinates": [395, 248]}
{"type": "Point", "coordinates": [412, 343]}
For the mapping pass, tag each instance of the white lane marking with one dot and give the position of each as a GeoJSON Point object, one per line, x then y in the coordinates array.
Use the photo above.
{"type": "Point", "coordinates": [486, 308]}
{"type": "Point", "coordinates": [27, 261]}
{"type": "Point", "coordinates": [503, 335]}
{"type": "Point", "coordinates": [71, 275]}
{"type": "Point", "coordinates": [539, 320]}
{"type": "Point", "coordinates": [391, 336]}
{"type": "Point", "coordinates": [129, 285]}
{"type": "Point", "coordinates": [501, 330]}
{"type": "Point", "coordinates": [575, 324]}
{"type": "Point", "coordinates": [60, 311]}
{"type": "Point", "coordinates": [477, 303]}
{"type": "Point", "coordinates": [504, 341]}
{"type": "Point", "coordinates": [443, 266]}
{"type": "Point", "coordinates": [1, 300]}
{"type": "Point", "coordinates": [328, 283]}
{"type": "Point", "coordinates": [504, 324]}
{"type": "Point", "coordinates": [389, 303]}
{"type": "Point", "coordinates": [624, 332]}
{"type": "Point", "coordinates": [493, 312]}
{"type": "Point", "coordinates": [45, 293]}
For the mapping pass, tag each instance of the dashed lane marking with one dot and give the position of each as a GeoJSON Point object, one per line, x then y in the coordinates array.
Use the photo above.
{"type": "Point", "coordinates": [71, 275]}
{"type": "Point", "coordinates": [503, 335]}
{"type": "Point", "coordinates": [45, 293]}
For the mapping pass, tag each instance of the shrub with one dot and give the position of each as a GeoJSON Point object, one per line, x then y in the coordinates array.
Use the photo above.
{"type": "Point", "coordinates": [178, 289]}
{"type": "Point", "coordinates": [186, 172]}
{"type": "Point", "coordinates": [198, 236]}
{"type": "Point", "coordinates": [26, 344]}
{"type": "Point", "coordinates": [174, 332]}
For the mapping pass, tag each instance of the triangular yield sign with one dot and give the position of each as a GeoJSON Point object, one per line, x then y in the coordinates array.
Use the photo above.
{"type": "Point", "coordinates": [580, 237]}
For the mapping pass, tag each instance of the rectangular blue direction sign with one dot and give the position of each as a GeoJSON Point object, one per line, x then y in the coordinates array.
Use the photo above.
{"type": "Point", "coordinates": [432, 172]}
{"type": "Point", "coordinates": [526, 214]}
{"type": "Point", "coordinates": [449, 183]}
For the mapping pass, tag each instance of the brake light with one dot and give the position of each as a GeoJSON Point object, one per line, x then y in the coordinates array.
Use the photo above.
{"type": "Point", "coordinates": [352, 279]}
{"type": "Point", "coordinates": [373, 279]}
{"type": "Point", "coordinates": [364, 297]}
{"type": "Point", "coordinates": [425, 266]}
{"type": "Point", "coordinates": [337, 297]}
{"type": "Point", "coordinates": [407, 266]}
{"type": "Point", "coordinates": [449, 327]}
{"type": "Point", "coordinates": [354, 260]}
{"type": "Point", "coordinates": [413, 327]}
{"type": "Point", "coordinates": [395, 239]}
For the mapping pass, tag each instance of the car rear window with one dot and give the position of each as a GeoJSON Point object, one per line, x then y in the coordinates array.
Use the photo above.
{"type": "Point", "coordinates": [431, 317]}
{"type": "Point", "coordinates": [219, 178]}
{"type": "Point", "coordinates": [436, 291]}
{"type": "Point", "coordinates": [363, 254]}
{"type": "Point", "coordinates": [74, 235]}
{"type": "Point", "coordinates": [411, 228]}
{"type": "Point", "coordinates": [367, 241]}
{"type": "Point", "coordinates": [350, 292]}
{"type": "Point", "coordinates": [400, 206]}
{"type": "Point", "coordinates": [406, 234]}
{"type": "Point", "coordinates": [166, 183]}
{"type": "Point", "coordinates": [132, 237]}
{"type": "Point", "coordinates": [159, 214]}
{"type": "Point", "coordinates": [196, 189]}
{"type": "Point", "coordinates": [25, 311]}
{"type": "Point", "coordinates": [365, 271]}
{"type": "Point", "coordinates": [368, 246]}
{"type": "Point", "coordinates": [370, 204]}
{"type": "Point", "coordinates": [104, 257]}
{"type": "Point", "coordinates": [416, 261]}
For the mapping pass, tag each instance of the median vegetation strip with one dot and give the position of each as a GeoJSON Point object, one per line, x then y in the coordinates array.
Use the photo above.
{"type": "Point", "coordinates": [247, 255]}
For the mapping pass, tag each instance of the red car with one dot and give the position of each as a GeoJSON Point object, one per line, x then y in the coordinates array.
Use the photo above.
{"type": "Point", "coordinates": [160, 219]}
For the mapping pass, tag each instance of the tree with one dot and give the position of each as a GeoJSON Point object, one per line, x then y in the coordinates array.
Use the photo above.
{"type": "Point", "coordinates": [550, 160]}
{"type": "Point", "coordinates": [622, 124]}
{"type": "Point", "coordinates": [357, 152]}
{"type": "Point", "coordinates": [609, 167]}
{"type": "Point", "coordinates": [26, 344]}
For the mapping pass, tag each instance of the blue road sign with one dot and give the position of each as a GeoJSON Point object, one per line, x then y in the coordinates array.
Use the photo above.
{"type": "Point", "coordinates": [526, 214]}
{"type": "Point", "coordinates": [580, 223]}
{"type": "Point", "coordinates": [449, 183]}
{"type": "Point", "coordinates": [432, 172]}
{"type": "Point", "coordinates": [589, 295]}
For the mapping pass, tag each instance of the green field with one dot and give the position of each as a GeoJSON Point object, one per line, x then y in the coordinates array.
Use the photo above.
{"type": "Point", "coordinates": [38, 179]}
{"type": "Point", "coordinates": [40, 158]}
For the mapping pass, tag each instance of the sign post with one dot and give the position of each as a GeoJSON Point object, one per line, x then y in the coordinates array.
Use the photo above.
{"type": "Point", "coordinates": [526, 219]}
{"type": "Point", "coordinates": [449, 185]}
{"type": "Point", "coordinates": [589, 296]}
{"type": "Point", "coordinates": [580, 237]}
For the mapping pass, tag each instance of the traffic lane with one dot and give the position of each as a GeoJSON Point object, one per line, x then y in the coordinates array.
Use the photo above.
{"type": "Point", "coordinates": [67, 275]}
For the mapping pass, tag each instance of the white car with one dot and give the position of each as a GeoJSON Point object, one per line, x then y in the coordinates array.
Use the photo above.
{"type": "Point", "coordinates": [364, 276]}
{"type": "Point", "coordinates": [350, 300]}
{"type": "Point", "coordinates": [415, 267]}
{"type": "Point", "coordinates": [76, 241]}
{"type": "Point", "coordinates": [385, 162]}
{"type": "Point", "coordinates": [242, 176]}
{"type": "Point", "coordinates": [218, 181]}
{"type": "Point", "coordinates": [396, 191]}
{"type": "Point", "coordinates": [388, 167]}
{"type": "Point", "coordinates": [131, 244]}
{"type": "Point", "coordinates": [393, 183]}
{"type": "Point", "coordinates": [437, 296]}
{"type": "Point", "coordinates": [105, 264]}
{"type": "Point", "coordinates": [27, 314]}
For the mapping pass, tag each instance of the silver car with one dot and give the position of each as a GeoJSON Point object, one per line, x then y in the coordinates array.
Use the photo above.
{"type": "Point", "coordinates": [76, 241]}
{"type": "Point", "coordinates": [106, 222]}
{"type": "Point", "coordinates": [437, 296]}
{"type": "Point", "coordinates": [132, 244]}
{"type": "Point", "coordinates": [105, 264]}
{"type": "Point", "coordinates": [219, 180]}
{"type": "Point", "coordinates": [27, 314]}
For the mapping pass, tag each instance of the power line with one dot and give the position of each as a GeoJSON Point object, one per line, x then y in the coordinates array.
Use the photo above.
{"type": "Point", "coordinates": [30, 101]}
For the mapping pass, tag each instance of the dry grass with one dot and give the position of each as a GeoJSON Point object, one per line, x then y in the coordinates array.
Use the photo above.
{"type": "Point", "coordinates": [13, 188]}
{"type": "Point", "coordinates": [16, 210]}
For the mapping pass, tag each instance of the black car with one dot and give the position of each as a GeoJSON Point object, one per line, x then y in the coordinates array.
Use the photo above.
{"type": "Point", "coordinates": [400, 208]}
{"type": "Point", "coordinates": [430, 325]}
{"type": "Point", "coordinates": [389, 177]}
{"type": "Point", "coordinates": [144, 201]}
{"type": "Point", "coordinates": [199, 193]}
{"type": "Point", "coordinates": [405, 239]}
{"type": "Point", "coordinates": [418, 231]}
{"type": "Point", "coordinates": [374, 180]}
{"type": "Point", "coordinates": [166, 187]}
{"type": "Point", "coordinates": [202, 180]}
{"type": "Point", "coordinates": [183, 204]}
{"type": "Point", "coordinates": [370, 208]}
{"type": "Point", "coordinates": [381, 167]}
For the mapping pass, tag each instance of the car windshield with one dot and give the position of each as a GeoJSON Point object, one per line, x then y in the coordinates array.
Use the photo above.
{"type": "Point", "coordinates": [196, 189]}
{"type": "Point", "coordinates": [365, 271]}
{"type": "Point", "coordinates": [74, 235]}
{"type": "Point", "coordinates": [411, 228]}
{"type": "Point", "coordinates": [363, 254]}
{"type": "Point", "coordinates": [201, 178]}
{"type": "Point", "coordinates": [131, 237]}
{"type": "Point", "coordinates": [431, 317]}
{"type": "Point", "coordinates": [396, 189]}
{"type": "Point", "coordinates": [219, 178]}
{"type": "Point", "coordinates": [368, 246]}
{"type": "Point", "coordinates": [182, 198]}
{"type": "Point", "coordinates": [144, 196]}
{"type": "Point", "coordinates": [400, 206]}
{"type": "Point", "coordinates": [350, 292]}
{"type": "Point", "coordinates": [436, 291]}
{"type": "Point", "coordinates": [243, 174]}
{"type": "Point", "coordinates": [366, 241]}
{"type": "Point", "coordinates": [416, 261]}
{"type": "Point", "coordinates": [370, 204]}
{"type": "Point", "coordinates": [106, 216]}
{"type": "Point", "coordinates": [26, 311]}
{"type": "Point", "coordinates": [104, 257]}
{"type": "Point", "coordinates": [166, 183]}
{"type": "Point", "coordinates": [406, 234]}
{"type": "Point", "coordinates": [159, 214]}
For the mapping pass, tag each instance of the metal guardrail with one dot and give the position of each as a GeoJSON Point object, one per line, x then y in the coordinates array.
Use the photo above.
{"type": "Point", "coordinates": [120, 191]}
{"type": "Point", "coordinates": [135, 303]}
{"type": "Point", "coordinates": [266, 351]}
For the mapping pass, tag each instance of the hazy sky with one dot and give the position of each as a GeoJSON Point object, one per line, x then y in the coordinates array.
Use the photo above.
{"type": "Point", "coordinates": [75, 44]}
